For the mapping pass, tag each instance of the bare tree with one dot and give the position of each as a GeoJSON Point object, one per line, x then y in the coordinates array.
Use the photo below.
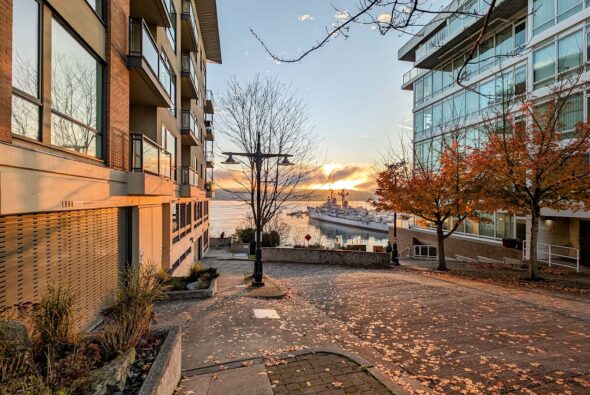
{"type": "Point", "coordinates": [402, 16]}
{"type": "Point", "coordinates": [265, 111]}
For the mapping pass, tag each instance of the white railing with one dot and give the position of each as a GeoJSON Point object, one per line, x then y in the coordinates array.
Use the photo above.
{"type": "Point", "coordinates": [557, 255]}
{"type": "Point", "coordinates": [413, 73]}
{"type": "Point", "coordinates": [404, 251]}
{"type": "Point", "coordinates": [424, 251]}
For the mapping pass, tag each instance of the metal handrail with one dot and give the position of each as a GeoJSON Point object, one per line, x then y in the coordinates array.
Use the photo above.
{"type": "Point", "coordinates": [143, 44]}
{"type": "Point", "coordinates": [413, 73]}
{"type": "Point", "coordinates": [550, 255]}
{"type": "Point", "coordinates": [188, 66]}
{"type": "Point", "coordinates": [148, 157]}
{"type": "Point", "coordinates": [187, 9]}
{"type": "Point", "coordinates": [189, 122]}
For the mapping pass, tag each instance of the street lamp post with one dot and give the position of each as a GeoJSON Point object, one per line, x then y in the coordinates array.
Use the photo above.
{"type": "Point", "coordinates": [258, 157]}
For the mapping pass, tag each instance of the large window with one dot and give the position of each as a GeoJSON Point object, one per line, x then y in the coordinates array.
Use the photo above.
{"type": "Point", "coordinates": [76, 94]}
{"type": "Point", "coordinates": [546, 13]}
{"type": "Point", "coordinates": [570, 52]}
{"type": "Point", "coordinates": [571, 113]}
{"type": "Point", "coordinates": [543, 66]}
{"type": "Point", "coordinates": [25, 69]}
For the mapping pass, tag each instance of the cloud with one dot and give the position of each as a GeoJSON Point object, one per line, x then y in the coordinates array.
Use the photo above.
{"type": "Point", "coordinates": [342, 15]}
{"type": "Point", "coordinates": [357, 176]}
{"type": "Point", "coordinates": [384, 18]}
{"type": "Point", "coordinates": [305, 18]}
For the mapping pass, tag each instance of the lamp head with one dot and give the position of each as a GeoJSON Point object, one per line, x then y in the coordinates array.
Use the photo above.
{"type": "Point", "coordinates": [285, 161]}
{"type": "Point", "coordinates": [230, 160]}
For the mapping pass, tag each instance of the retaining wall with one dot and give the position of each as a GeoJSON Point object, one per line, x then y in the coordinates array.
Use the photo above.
{"type": "Point", "coordinates": [367, 260]}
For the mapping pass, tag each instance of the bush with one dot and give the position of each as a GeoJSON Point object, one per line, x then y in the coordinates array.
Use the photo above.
{"type": "Point", "coordinates": [131, 312]}
{"type": "Point", "coordinates": [54, 324]}
{"type": "Point", "coordinates": [195, 271]}
{"type": "Point", "coordinates": [269, 239]}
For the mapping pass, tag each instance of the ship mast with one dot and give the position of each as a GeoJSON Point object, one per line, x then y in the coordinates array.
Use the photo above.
{"type": "Point", "coordinates": [343, 194]}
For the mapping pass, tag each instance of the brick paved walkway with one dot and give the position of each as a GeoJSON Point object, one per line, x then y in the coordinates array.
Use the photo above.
{"type": "Point", "coordinates": [322, 373]}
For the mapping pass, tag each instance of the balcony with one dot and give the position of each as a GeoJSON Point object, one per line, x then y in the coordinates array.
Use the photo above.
{"type": "Point", "coordinates": [210, 189]}
{"type": "Point", "coordinates": [189, 182]}
{"type": "Point", "coordinates": [154, 12]}
{"type": "Point", "coordinates": [189, 33]}
{"type": "Point", "coordinates": [151, 168]}
{"type": "Point", "coordinates": [189, 129]}
{"type": "Point", "coordinates": [209, 163]}
{"type": "Point", "coordinates": [446, 42]}
{"type": "Point", "coordinates": [150, 76]}
{"type": "Point", "coordinates": [410, 77]}
{"type": "Point", "coordinates": [190, 82]}
{"type": "Point", "coordinates": [209, 131]}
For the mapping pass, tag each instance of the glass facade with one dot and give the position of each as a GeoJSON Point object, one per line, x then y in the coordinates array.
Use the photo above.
{"type": "Point", "coordinates": [547, 13]}
{"type": "Point", "coordinates": [76, 94]}
{"type": "Point", "coordinates": [25, 69]}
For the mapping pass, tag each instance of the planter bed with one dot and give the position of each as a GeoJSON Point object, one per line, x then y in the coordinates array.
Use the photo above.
{"type": "Point", "coordinates": [164, 374]}
{"type": "Point", "coordinates": [194, 293]}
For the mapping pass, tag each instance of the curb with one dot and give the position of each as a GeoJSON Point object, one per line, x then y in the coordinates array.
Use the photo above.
{"type": "Point", "coordinates": [194, 294]}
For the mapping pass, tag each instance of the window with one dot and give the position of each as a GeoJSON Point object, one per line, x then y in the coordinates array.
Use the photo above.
{"type": "Point", "coordinates": [571, 113]}
{"type": "Point", "coordinates": [486, 94]}
{"type": "Point", "coordinates": [459, 105]}
{"type": "Point", "coordinates": [169, 144]}
{"type": "Point", "coordinates": [418, 122]}
{"type": "Point", "coordinates": [486, 54]}
{"type": "Point", "coordinates": [543, 66]}
{"type": "Point", "coordinates": [436, 116]}
{"type": "Point", "coordinates": [569, 52]}
{"type": "Point", "coordinates": [171, 31]}
{"type": "Point", "coordinates": [471, 102]}
{"type": "Point", "coordinates": [427, 119]}
{"type": "Point", "coordinates": [447, 71]}
{"type": "Point", "coordinates": [504, 44]}
{"type": "Point", "coordinates": [76, 95]}
{"type": "Point", "coordinates": [520, 34]}
{"type": "Point", "coordinates": [567, 8]}
{"type": "Point", "coordinates": [520, 80]}
{"type": "Point", "coordinates": [436, 81]}
{"type": "Point", "coordinates": [448, 111]}
{"type": "Point", "coordinates": [543, 15]}
{"type": "Point", "coordinates": [25, 69]}
{"type": "Point", "coordinates": [419, 91]}
{"type": "Point", "coordinates": [97, 6]}
{"type": "Point", "coordinates": [427, 86]}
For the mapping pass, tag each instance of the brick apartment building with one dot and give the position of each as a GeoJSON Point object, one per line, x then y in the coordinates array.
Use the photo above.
{"type": "Point", "coordinates": [106, 134]}
{"type": "Point", "coordinates": [528, 43]}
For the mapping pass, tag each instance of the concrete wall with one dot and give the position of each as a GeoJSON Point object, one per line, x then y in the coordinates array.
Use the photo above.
{"type": "Point", "coordinates": [455, 245]}
{"type": "Point", "coordinates": [367, 260]}
{"type": "Point", "coordinates": [150, 234]}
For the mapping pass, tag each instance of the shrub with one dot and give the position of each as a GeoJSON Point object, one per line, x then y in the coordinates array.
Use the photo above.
{"type": "Point", "coordinates": [269, 239]}
{"type": "Point", "coordinates": [131, 312]}
{"type": "Point", "coordinates": [195, 271]}
{"type": "Point", "coordinates": [54, 324]}
{"type": "Point", "coordinates": [164, 276]}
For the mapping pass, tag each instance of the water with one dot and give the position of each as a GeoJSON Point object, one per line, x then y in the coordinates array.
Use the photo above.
{"type": "Point", "coordinates": [226, 216]}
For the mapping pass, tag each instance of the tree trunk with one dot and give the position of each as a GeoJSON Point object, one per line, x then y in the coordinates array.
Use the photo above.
{"type": "Point", "coordinates": [442, 263]}
{"type": "Point", "coordinates": [533, 261]}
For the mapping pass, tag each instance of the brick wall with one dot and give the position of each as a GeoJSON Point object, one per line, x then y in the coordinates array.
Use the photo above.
{"type": "Point", "coordinates": [118, 85]}
{"type": "Point", "coordinates": [454, 245]}
{"type": "Point", "coordinates": [5, 69]}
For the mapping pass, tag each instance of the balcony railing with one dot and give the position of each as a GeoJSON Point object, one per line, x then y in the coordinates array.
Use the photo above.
{"type": "Point", "coordinates": [189, 176]}
{"type": "Point", "coordinates": [188, 67]}
{"type": "Point", "coordinates": [149, 157]}
{"type": "Point", "coordinates": [187, 10]}
{"type": "Point", "coordinates": [142, 44]}
{"type": "Point", "coordinates": [410, 75]}
{"type": "Point", "coordinates": [454, 25]}
{"type": "Point", "coordinates": [189, 123]}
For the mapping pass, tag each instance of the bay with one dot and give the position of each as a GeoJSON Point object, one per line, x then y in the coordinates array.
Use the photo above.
{"type": "Point", "coordinates": [227, 215]}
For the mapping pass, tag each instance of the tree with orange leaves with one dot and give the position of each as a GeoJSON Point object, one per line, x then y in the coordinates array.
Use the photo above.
{"type": "Point", "coordinates": [530, 164]}
{"type": "Point", "coordinates": [442, 188]}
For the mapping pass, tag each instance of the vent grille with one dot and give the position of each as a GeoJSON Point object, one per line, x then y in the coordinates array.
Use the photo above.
{"type": "Point", "coordinates": [82, 250]}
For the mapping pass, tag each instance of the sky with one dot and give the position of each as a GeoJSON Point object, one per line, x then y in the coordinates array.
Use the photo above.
{"type": "Point", "coordinates": [352, 86]}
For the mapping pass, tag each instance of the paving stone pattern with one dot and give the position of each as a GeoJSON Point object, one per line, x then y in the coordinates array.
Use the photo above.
{"type": "Point", "coordinates": [322, 373]}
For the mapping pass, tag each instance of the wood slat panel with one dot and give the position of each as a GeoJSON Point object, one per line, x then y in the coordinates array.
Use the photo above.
{"type": "Point", "coordinates": [83, 250]}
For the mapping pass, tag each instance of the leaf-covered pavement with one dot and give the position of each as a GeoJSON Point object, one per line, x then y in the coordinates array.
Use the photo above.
{"type": "Point", "coordinates": [453, 336]}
